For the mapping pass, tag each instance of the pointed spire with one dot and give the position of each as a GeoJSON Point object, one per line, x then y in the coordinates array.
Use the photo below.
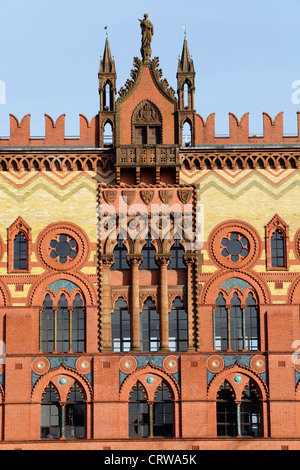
{"type": "Point", "coordinates": [185, 64]}
{"type": "Point", "coordinates": [107, 64]}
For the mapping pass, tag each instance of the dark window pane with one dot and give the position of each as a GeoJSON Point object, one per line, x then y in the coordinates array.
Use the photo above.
{"type": "Point", "coordinates": [277, 250]}
{"type": "Point", "coordinates": [20, 252]}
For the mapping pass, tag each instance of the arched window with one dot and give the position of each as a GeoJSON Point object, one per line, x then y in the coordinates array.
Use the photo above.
{"type": "Point", "coordinates": [177, 253]}
{"type": "Point", "coordinates": [74, 426]}
{"type": "Point", "coordinates": [236, 328]}
{"type": "Point", "coordinates": [238, 418]}
{"type": "Point", "coordinates": [251, 324]}
{"type": "Point", "coordinates": [120, 253]}
{"type": "Point", "coordinates": [163, 412]}
{"type": "Point", "coordinates": [120, 327]}
{"type": "Point", "coordinates": [148, 253]}
{"type": "Point", "coordinates": [138, 412]}
{"type": "Point", "coordinates": [250, 412]}
{"type": "Point", "coordinates": [220, 324]}
{"type": "Point", "coordinates": [78, 325]}
{"type": "Point", "coordinates": [236, 324]}
{"type": "Point", "coordinates": [178, 327]}
{"type": "Point", "coordinates": [56, 335]}
{"type": "Point", "coordinates": [20, 252]}
{"type": "Point", "coordinates": [150, 419]}
{"type": "Point", "coordinates": [149, 327]}
{"type": "Point", "coordinates": [59, 420]}
{"type": "Point", "coordinates": [50, 414]}
{"type": "Point", "coordinates": [226, 412]}
{"type": "Point", "coordinates": [108, 135]}
{"type": "Point", "coordinates": [277, 250]}
{"type": "Point", "coordinates": [63, 326]}
{"type": "Point", "coordinates": [47, 326]}
{"type": "Point", "coordinates": [107, 95]}
{"type": "Point", "coordinates": [277, 242]}
{"type": "Point", "coordinates": [186, 134]}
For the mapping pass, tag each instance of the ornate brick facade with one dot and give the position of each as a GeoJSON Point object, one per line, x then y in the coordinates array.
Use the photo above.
{"type": "Point", "coordinates": [121, 331]}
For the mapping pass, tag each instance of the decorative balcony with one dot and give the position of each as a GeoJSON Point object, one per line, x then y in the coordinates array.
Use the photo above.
{"type": "Point", "coordinates": [147, 156]}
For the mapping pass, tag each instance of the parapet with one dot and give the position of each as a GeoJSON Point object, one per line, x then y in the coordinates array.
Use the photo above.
{"type": "Point", "coordinates": [54, 133]}
{"type": "Point", "coordinates": [273, 132]}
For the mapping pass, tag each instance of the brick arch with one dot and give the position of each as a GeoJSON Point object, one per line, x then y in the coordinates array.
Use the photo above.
{"type": "Point", "coordinates": [229, 374]}
{"type": "Point", "coordinates": [53, 376]}
{"type": "Point", "coordinates": [141, 375]}
{"type": "Point", "coordinates": [36, 294]}
{"type": "Point", "coordinates": [294, 292]}
{"type": "Point", "coordinates": [260, 288]}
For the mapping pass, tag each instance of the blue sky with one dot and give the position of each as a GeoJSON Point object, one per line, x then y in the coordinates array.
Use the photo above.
{"type": "Point", "coordinates": [246, 54]}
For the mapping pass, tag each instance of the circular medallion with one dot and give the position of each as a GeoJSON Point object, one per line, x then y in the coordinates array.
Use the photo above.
{"type": "Point", "coordinates": [237, 379]}
{"type": "Point", "coordinates": [215, 364]}
{"type": "Point", "coordinates": [171, 364]}
{"type": "Point", "coordinates": [150, 380]}
{"type": "Point", "coordinates": [84, 365]}
{"type": "Point", "coordinates": [258, 364]}
{"type": "Point", "coordinates": [40, 365]}
{"type": "Point", "coordinates": [128, 364]}
{"type": "Point", "coordinates": [62, 246]}
{"type": "Point", "coordinates": [234, 245]}
{"type": "Point", "coordinates": [62, 381]}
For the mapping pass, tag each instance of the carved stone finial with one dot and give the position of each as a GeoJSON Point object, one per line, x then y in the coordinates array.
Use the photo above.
{"type": "Point", "coordinates": [147, 33]}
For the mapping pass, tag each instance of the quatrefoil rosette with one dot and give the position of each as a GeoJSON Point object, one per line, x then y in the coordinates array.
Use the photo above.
{"type": "Point", "coordinates": [62, 246]}
{"type": "Point", "coordinates": [234, 244]}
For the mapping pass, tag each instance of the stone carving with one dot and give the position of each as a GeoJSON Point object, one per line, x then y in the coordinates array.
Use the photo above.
{"type": "Point", "coordinates": [147, 33]}
{"type": "Point", "coordinates": [162, 83]}
{"type": "Point", "coordinates": [128, 196]}
{"type": "Point", "coordinates": [110, 196]}
{"type": "Point", "coordinates": [147, 196]}
{"type": "Point", "coordinates": [134, 74]}
{"type": "Point", "coordinates": [166, 195]}
{"type": "Point", "coordinates": [185, 195]}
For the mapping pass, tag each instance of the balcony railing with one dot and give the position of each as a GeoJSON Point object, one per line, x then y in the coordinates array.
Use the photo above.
{"type": "Point", "coordinates": [147, 155]}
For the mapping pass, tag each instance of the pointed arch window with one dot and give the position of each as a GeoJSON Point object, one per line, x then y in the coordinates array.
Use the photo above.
{"type": "Point", "coordinates": [148, 253]}
{"type": "Point", "coordinates": [120, 253]}
{"type": "Point", "coordinates": [236, 324]}
{"type": "Point", "coordinates": [50, 414]}
{"type": "Point", "coordinates": [162, 412]}
{"type": "Point", "coordinates": [20, 252]}
{"type": "Point", "coordinates": [277, 250]}
{"type": "Point", "coordinates": [74, 415]}
{"type": "Point", "coordinates": [63, 328]}
{"type": "Point", "coordinates": [138, 412]}
{"type": "Point", "coordinates": [220, 324]}
{"type": "Point", "coordinates": [236, 327]}
{"type": "Point", "coordinates": [277, 238]}
{"type": "Point", "coordinates": [78, 325]}
{"type": "Point", "coordinates": [250, 411]}
{"type": "Point", "coordinates": [19, 246]}
{"type": "Point", "coordinates": [177, 252]}
{"type": "Point", "coordinates": [147, 124]}
{"type": "Point", "coordinates": [186, 134]}
{"type": "Point", "coordinates": [149, 327]}
{"type": "Point", "coordinates": [178, 327]}
{"type": "Point", "coordinates": [238, 418]}
{"type": "Point", "coordinates": [226, 412]}
{"type": "Point", "coordinates": [120, 327]}
{"type": "Point", "coordinates": [63, 420]}
{"type": "Point", "coordinates": [150, 419]}
{"type": "Point", "coordinates": [108, 134]}
{"type": "Point", "coordinates": [47, 326]}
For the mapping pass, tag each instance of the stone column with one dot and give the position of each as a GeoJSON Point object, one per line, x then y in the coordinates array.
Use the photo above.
{"type": "Point", "coordinates": [163, 261]}
{"type": "Point", "coordinates": [190, 260]}
{"type": "Point", "coordinates": [105, 301]}
{"type": "Point", "coordinates": [134, 262]}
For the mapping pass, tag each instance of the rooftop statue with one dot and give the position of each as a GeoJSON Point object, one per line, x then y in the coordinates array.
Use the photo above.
{"type": "Point", "coordinates": [147, 33]}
